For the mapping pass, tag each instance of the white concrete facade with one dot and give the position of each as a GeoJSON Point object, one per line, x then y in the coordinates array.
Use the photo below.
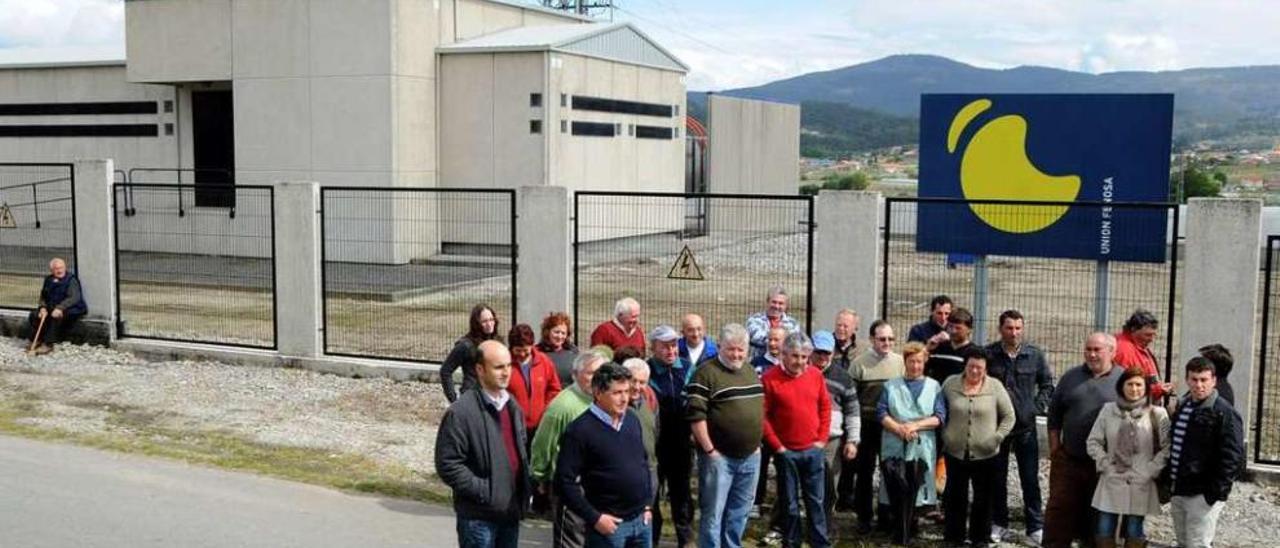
{"type": "Point", "coordinates": [352, 93]}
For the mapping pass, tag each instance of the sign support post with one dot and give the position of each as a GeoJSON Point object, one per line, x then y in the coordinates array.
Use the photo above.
{"type": "Point", "coordinates": [980, 291]}
{"type": "Point", "coordinates": [1101, 295]}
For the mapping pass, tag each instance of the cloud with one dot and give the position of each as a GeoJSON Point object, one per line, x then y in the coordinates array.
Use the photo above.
{"type": "Point", "coordinates": [33, 31]}
{"type": "Point", "coordinates": [1082, 35]}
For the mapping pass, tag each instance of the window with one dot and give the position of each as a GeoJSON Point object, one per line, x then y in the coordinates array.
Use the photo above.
{"type": "Point", "coordinates": [600, 104]}
{"type": "Point", "coordinates": [535, 99]}
{"type": "Point", "coordinates": [653, 132]}
{"type": "Point", "coordinates": [168, 106]}
{"type": "Point", "coordinates": [81, 130]}
{"type": "Point", "coordinates": [535, 126]}
{"type": "Point", "coordinates": [676, 110]}
{"type": "Point", "coordinates": [564, 126]}
{"type": "Point", "coordinates": [168, 129]}
{"type": "Point", "coordinates": [564, 100]}
{"type": "Point", "coordinates": [594, 129]}
{"type": "Point", "coordinates": [631, 130]}
{"type": "Point", "coordinates": [56, 109]}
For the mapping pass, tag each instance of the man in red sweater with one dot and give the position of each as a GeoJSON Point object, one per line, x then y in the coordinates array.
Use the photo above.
{"type": "Point", "coordinates": [623, 330]}
{"type": "Point", "coordinates": [1133, 349]}
{"type": "Point", "coordinates": [797, 436]}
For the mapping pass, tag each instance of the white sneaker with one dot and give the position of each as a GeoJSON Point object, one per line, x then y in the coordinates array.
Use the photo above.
{"type": "Point", "coordinates": [997, 533]}
{"type": "Point", "coordinates": [1036, 537]}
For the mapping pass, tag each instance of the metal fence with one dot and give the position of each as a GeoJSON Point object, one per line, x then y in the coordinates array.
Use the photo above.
{"type": "Point", "coordinates": [1063, 300]}
{"type": "Point", "coordinates": [404, 266]}
{"type": "Point", "coordinates": [1266, 421]}
{"type": "Point", "coordinates": [196, 274]}
{"type": "Point", "coordinates": [716, 255]}
{"type": "Point", "coordinates": [37, 223]}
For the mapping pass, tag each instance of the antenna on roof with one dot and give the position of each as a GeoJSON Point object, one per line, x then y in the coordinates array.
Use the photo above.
{"type": "Point", "coordinates": [587, 8]}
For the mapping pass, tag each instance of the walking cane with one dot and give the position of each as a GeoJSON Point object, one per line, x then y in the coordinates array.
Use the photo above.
{"type": "Point", "coordinates": [36, 340]}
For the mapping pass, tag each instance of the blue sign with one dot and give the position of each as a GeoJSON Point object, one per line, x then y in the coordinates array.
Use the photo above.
{"type": "Point", "coordinates": [989, 150]}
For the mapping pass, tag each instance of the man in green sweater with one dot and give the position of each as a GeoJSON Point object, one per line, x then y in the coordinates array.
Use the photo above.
{"type": "Point", "coordinates": [569, 529]}
{"type": "Point", "coordinates": [870, 371]}
{"type": "Point", "coordinates": [726, 413]}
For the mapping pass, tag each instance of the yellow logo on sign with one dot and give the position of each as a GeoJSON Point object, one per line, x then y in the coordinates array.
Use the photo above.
{"type": "Point", "coordinates": [686, 267]}
{"type": "Point", "coordinates": [6, 217]}
{"type": "Point", "coordinates": [995, 166]}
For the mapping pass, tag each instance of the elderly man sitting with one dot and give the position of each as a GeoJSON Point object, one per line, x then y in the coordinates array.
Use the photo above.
{"type": "Point", "coordinates": [61, 304]}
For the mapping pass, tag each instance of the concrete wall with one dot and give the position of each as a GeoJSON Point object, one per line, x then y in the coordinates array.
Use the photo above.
{"type": "Point", "coordinates": [753, 147]}
{"type": "Point", "coordinates": [178, 41]}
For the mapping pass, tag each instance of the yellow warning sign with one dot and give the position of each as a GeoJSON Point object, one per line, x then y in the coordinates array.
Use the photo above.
{"type": "Point", "coordinates": [686, 267]}
{"type": "Point", "coordinates": [6, 217]}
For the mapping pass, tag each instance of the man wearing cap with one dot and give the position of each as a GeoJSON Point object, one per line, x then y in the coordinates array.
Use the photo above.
{"type": "Point", "coordinates": [668, 375]}
{"type": "Point", "coordinates": [846, 424]}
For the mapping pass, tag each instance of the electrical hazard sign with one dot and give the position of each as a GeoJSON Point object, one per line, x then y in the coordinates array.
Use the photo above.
{"type": "Point", "coordinates": [686, 267]}
{"type": "Point", "coordinates": [6, 217]}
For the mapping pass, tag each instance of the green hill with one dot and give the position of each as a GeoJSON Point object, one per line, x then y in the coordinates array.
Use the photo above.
{"type": "Point", "coordinates": [1237, 106]}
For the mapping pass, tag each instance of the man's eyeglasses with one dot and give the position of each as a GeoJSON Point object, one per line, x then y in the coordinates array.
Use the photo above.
{"type": "Point", "coordinates": [885, 339]}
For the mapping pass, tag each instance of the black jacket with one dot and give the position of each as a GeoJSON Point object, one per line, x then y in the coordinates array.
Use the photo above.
{"type": "Point", "coordinates": [1027, 378]}
{"type": "Point", "coordinates": [1211, 455]}
{"type": "Point", "coordinates": [463, 356]}
{"type": "Point", "coordinates": [471, 460]}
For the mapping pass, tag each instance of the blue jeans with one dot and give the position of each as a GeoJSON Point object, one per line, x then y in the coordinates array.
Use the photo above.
{"type": "Point", "coordinates": [632, 533]}
{"type": "Point", "coordinates": [479, 533]}
{"type": "Point", "coordinates": [726, 489]}
{"type": "Point", "coordinates": [1025, 447]}
{"type": "Point", "coordinates": [1108, 523]}
{"type": "Point", "coordinates": [804, 473]}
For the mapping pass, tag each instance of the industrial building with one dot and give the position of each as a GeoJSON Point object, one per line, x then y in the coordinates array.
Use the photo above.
{"type": "Point", "coordinates": [375, 93]}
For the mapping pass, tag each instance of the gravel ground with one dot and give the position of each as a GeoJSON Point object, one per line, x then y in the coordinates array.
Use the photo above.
{"type": "Point", "coordinates": [387, 421]}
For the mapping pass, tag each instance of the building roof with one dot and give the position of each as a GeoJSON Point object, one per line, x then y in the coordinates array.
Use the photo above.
{"type": "Point", "coordinates": [613, 41]}
{"type": "Point", "coordinates": [63, 64]}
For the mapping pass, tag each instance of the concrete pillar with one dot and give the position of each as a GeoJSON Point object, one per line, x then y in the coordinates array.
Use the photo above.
{"type": "Point", "coordinates": [95, 240]}
{"type": "Point", "coordinates": [544, 281]}
{"type": "Point", "coordinates": [298, 291]}
{"type": "Point", "coordinates": [846, 257]}
{"type": "Point", "coordinates": [1219, 295]}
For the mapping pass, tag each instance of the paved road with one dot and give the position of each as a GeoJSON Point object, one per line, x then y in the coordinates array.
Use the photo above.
{"type": "Point", "coordinates": [58, 496]}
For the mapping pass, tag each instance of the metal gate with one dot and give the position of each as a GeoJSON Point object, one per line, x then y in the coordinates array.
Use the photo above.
{"type": "Point", "coordinates": [192, 273]}
{"type": "Point", "coordinates": [37, 223]}
{"type": "Point", "coordinates": [641, 245]}
{"type": "Point", "coordinates": [1266, 422]}
{"type": "Point", "coordinates": [402, 267]}
{"type": "Point", "coordinates": [1059, 297]}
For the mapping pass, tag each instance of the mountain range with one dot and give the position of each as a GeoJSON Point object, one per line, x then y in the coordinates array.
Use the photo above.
{"type": "Point", "coordinates": [876, 104]}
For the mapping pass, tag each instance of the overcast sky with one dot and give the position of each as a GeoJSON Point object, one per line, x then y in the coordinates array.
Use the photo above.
{"type": "Point", "coordinates": [735, 43]}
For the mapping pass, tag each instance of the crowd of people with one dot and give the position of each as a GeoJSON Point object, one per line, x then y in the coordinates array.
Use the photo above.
{"type": "Point", "coordinates": [597, 437]}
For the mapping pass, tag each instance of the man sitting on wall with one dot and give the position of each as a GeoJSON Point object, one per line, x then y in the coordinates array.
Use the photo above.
{"type": "Point", "coordinates": [61, 304]}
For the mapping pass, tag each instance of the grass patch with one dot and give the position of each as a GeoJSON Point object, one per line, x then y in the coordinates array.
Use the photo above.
{"type": "Point", "coordinates": [138, 431]}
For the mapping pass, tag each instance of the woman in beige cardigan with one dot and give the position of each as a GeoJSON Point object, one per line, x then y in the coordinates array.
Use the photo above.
{"type": "Point", "coordinates": [979, 416]}
{"type": "Point", "coordinates": [1130, 443]}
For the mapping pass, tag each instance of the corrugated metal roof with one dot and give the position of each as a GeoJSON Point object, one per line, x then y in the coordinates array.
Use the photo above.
{"type": "Point", "coordinates": [616, 41]}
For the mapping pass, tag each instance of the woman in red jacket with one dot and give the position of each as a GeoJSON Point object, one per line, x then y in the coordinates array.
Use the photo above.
{"type": "Point", "coordinates": [534, 382]}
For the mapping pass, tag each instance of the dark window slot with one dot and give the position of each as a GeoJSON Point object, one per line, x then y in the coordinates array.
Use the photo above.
{"type": "Point", "coordinates": [653, 132]}
{"type": "Point", "coordinates": [63, 109]}
{"type": "Point", "coordinates": [594, 129]}
{"type": "Point", "coordinates": [600, 104]}
{"type": "Point", "coordinates": [81, 130]}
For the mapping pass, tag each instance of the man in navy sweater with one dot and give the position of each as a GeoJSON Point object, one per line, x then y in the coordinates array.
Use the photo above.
{"type": "Point", "coordinates": [602, 472]}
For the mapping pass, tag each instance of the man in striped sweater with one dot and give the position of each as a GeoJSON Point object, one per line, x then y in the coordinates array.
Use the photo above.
{"type": "Point", "coordinates": [726, 414]}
